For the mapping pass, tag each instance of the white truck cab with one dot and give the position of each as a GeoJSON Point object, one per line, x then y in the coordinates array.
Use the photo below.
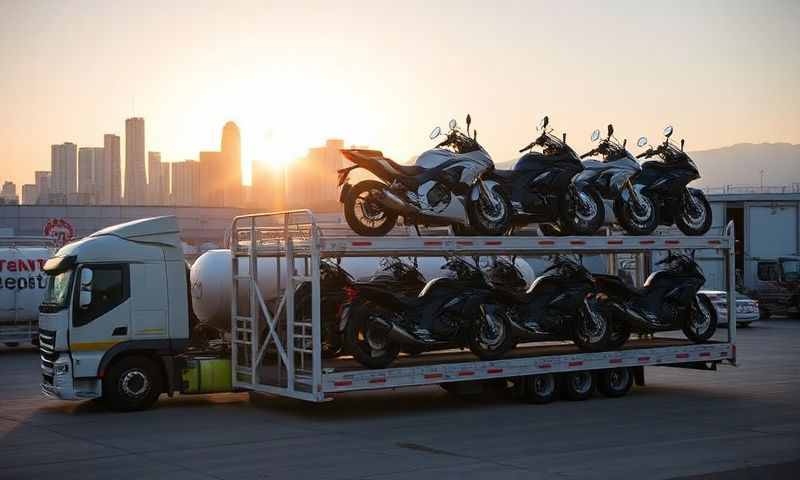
{"type": "Point", "coordinates": [116, 315]}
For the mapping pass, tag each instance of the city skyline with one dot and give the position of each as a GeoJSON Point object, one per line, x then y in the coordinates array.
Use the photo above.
{"type": "Point", "coordinates": [721, 72]}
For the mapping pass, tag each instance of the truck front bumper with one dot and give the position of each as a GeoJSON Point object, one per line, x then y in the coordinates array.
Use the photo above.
{"type": "Point", "coordinates": [57, 382]}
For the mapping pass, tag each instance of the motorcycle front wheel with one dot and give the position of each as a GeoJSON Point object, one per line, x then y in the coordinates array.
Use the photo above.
{"type": "Point", "coordinates": [366, 341]}
{"type": "Point", "coordinates": [490, 335]}
{"type": "Point", "coordinates": [582, 212]}
{"type": "Point", "coordinates": [364, 214]}
{"type": "Point", "coordinates": [489, 216]}
{"type": "Point", "coordinates": [701, 320]}
{"type": "Point", "coordinates": [637, 220]}
{"type": "Point", "coordinates": [592, 329]}
{"type": "Point", "coordinates": [694, 218]}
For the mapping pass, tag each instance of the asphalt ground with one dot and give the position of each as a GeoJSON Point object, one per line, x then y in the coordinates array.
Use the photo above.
{"type": "Point", "coordinates": [735, 423]}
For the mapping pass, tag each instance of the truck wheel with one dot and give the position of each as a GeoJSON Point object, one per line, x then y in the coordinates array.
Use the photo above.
{"type": "Point", "coordinates": [133, 383]}
{"type": "Point", "coordinates": [578, 385]}
{"type": "Point", "coordinates": [615, 382]}
{"type": "Point", "coordinates": [538, 389]}
{"type": "Point", "coordinates": [743, 324]}
{"type": "Point", "coordinates": [12, 344]}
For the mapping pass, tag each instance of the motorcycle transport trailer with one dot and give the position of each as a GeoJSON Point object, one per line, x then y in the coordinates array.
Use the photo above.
{"type": "Point", "coordinates": [298, 370]}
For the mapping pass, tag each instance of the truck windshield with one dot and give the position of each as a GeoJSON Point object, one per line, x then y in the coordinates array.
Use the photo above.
{"type": "Point", "coordinates": [57, 293]}
{"type": "Point", "coordinates": [791, 270]}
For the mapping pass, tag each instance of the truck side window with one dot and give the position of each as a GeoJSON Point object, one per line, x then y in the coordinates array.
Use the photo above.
{"type": "Point", "coordinates": [767, 271]}
{"type": "Point", "coordinates": [110, 287]}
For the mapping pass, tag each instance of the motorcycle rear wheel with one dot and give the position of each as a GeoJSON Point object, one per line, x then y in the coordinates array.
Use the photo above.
{"type": "Point", "coordinates": [369, 347]}
{"type": "Point", "coordinates": [697, 223]}
{"type": "Point", "coordinates": [364, 215]}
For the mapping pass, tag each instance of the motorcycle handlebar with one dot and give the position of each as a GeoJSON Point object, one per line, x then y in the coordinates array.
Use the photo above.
{"type": "Point", "coordinates": [530, 145]}
{"type": "Point", "coordinates": [587, 154]}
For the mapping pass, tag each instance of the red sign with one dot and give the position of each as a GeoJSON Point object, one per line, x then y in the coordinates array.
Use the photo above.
{"type": "Point", "coordinates": [60, 230]}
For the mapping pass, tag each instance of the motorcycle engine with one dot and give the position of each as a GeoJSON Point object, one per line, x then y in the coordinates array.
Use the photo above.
{"type": "Point", "coordinates": [438, 197]}
{"type": "Point", "coordinates": [445, 326]}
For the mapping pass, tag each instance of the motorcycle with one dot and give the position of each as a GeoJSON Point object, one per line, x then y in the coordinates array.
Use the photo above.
{"type": "Point", "coordinates": [557, 306]}
{"type": "Point", "coordinates": [379, 322]}
{"type": "Point", "coordinates": [334, 282]}
{"type": "Point", "coordinates": [664, 183]}
{"type": "Point", "coordinates": [669, 300]}
{"type": "Point", "coordinates": [445, 187]}
{"type": "Point", "coordinates": [541, 189]}
{"type": "Point", "coordinates": [612, 177]}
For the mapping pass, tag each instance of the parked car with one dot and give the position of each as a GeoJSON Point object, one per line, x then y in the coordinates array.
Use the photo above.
{"type": "Point", "coordinates": [746, 307]}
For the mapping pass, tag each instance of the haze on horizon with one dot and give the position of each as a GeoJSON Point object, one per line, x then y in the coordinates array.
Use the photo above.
{"type": "Point", "coordinates": [383, 74]}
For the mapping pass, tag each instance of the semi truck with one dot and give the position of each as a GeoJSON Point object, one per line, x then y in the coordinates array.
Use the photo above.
{"type": "Point", "coordinates": [117, 321]}
{"type": "Point", "coordinates": [22, 286]}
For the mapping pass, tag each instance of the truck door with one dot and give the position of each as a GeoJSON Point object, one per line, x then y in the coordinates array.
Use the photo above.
{"type": "Point", "coordinates": [105, 321]}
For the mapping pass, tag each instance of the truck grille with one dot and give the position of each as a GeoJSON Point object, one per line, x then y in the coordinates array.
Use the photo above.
{"type": "Point", "coordinates": [47, 349]}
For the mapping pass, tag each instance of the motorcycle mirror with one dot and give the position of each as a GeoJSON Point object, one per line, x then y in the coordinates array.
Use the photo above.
{"type": "Point", "coordinates": [435, 132]}
{"type": "Point", "coordinates": [682, 141]}
{"type": "Point", "coordinates": [469, 122]}
{"type": "Point", "coordinates": [624, 142]}
{"type": "Point", "coordinates": [453, 124]}
{"type": "Point", "coordinates": [596, 135]}
{"type": "Point", "coordinates": [642, 141]}
{"type": "Point", "coordinates": [544, 123]}
{"type": "Point", "coordinates": [668, 131]}
{"type": "Point", "coordinates": [475, 135]}
{"type": "Point", "coordinates": [564, 137]}
{"type": "Point", "coordinates": [610, 130]}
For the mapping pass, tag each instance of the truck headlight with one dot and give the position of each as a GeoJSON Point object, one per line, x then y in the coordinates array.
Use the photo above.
{"type": "Point", "coordinates": [61, 369]}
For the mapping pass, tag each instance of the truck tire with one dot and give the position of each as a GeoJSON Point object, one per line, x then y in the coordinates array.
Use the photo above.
{"type": "Point", "coordinates": [615, 382]}
{"type": "Point", "coordinates": [539, 389]}
{"type": "Point", "coordinates": [132, 383]}
{"type": "Point", "coordinates": [578, 385]}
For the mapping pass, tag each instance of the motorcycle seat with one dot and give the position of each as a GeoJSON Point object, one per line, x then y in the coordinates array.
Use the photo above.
{"type": "Point", "coordinates": [406, 170]}
{"type": "Point", "coordinates": [617, 284]}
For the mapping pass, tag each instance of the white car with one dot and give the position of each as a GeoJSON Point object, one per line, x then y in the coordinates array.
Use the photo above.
{"type": "Point", "coordinates": [746, 307]}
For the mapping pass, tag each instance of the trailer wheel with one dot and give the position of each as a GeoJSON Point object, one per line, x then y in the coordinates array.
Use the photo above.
{"type": "Point", "coordinates": [615, 382]}
{"type": "Point", "coordinates": [12, 344]}
{"type": "Point", "coordinates": [578, 385]}
{"type": "Point", "coordinates": [743, 324]}
{"type": "Point", "coordinates": [539, 389]}
{"type": "Point", "coordinates": [132, 383]}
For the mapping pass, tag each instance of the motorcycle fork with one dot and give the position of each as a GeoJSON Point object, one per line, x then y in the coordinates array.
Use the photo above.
{"type": "Point", "coordinates": [487, 196]}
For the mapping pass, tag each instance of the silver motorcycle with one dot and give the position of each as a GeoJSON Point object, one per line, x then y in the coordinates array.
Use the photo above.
{"type": "Point", "coordinates": [444, 187]}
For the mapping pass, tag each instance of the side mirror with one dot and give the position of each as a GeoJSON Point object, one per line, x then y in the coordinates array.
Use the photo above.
{"type": "Point", "coordinates": [682, 141]}
{"type": "Point", "coordinates": [435, 133]}
{"type": "Point", "coordinates": [475, 135]}
{"type": "Point", "coordinates": [610, 130]}
{"type": "Point", "coordinates": [85, 295]}
{"type": "Point", "coordinates": [641, 142]}
{"type": "Point", "coordinates": [545, 122]}
{"type": "Point", "coordinates": [624, 142]}
{"type": "Point", "coordinates": [453, 124]}
{"type": "Point", "coordinates": [469, 122]}
{"type": "Point", "coordinates": [668, 131]}
{"type": "Point", "coordinates": [596, 135]}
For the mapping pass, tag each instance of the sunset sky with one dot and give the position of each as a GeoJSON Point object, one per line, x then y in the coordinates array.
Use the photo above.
{"type": "Point", "coordinates": [291, 74]}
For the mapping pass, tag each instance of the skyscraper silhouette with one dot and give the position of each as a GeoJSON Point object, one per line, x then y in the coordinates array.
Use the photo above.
{"type": "Point", "coordinates": [135, 176]}
{"type": "Point", "coordinates": [111, 193]}
{"type": "Point", "coordinates": [232, 165]}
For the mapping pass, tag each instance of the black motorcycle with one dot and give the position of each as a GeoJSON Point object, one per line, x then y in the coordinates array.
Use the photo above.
{"type": "Point", "coordinates": [541, 189]}
{"type": "Point", "coordinates": [612, 176]}
{"type": "Point", "coordinates": [335, 281]}
{"type": "Point", "coordinates": [557, 306]}
{"type": "Point", "coordinates": [667, 301]}
{"type": "Point", "coordinates": [664, 182]}
{"type": "Point", "coordinates": [380, 322]}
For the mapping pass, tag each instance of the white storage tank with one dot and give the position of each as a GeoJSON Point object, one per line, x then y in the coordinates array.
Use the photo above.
{"type": "Point", "coordinates": [210, 279]}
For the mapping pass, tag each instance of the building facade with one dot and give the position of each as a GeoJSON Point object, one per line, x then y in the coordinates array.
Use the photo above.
{"type": "Point", "coordinates": [89, 159]}
{"type": "Point", "coordinates": [154, 179]}
{"type": "Point", "coordinates": [30, 194]}
{"type": "Point", "coordinates": [185, 182]}
{"type": "Point", "coordinates": [42, 181]}
{"type": "Point", "coordinates": [135, 171]}
{"type": "Point", "coordinates": [231, 150]}
{"type": "Point", "coordinates": [64, 168]}
{"type": "Point", "coordinates": [112, 171]}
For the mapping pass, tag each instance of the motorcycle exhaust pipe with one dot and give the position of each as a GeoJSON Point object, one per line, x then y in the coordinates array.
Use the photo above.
{"type": "Point", "coordinates": [393, 202]}
{"type": "Point", "coordinates": [399, 335]}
